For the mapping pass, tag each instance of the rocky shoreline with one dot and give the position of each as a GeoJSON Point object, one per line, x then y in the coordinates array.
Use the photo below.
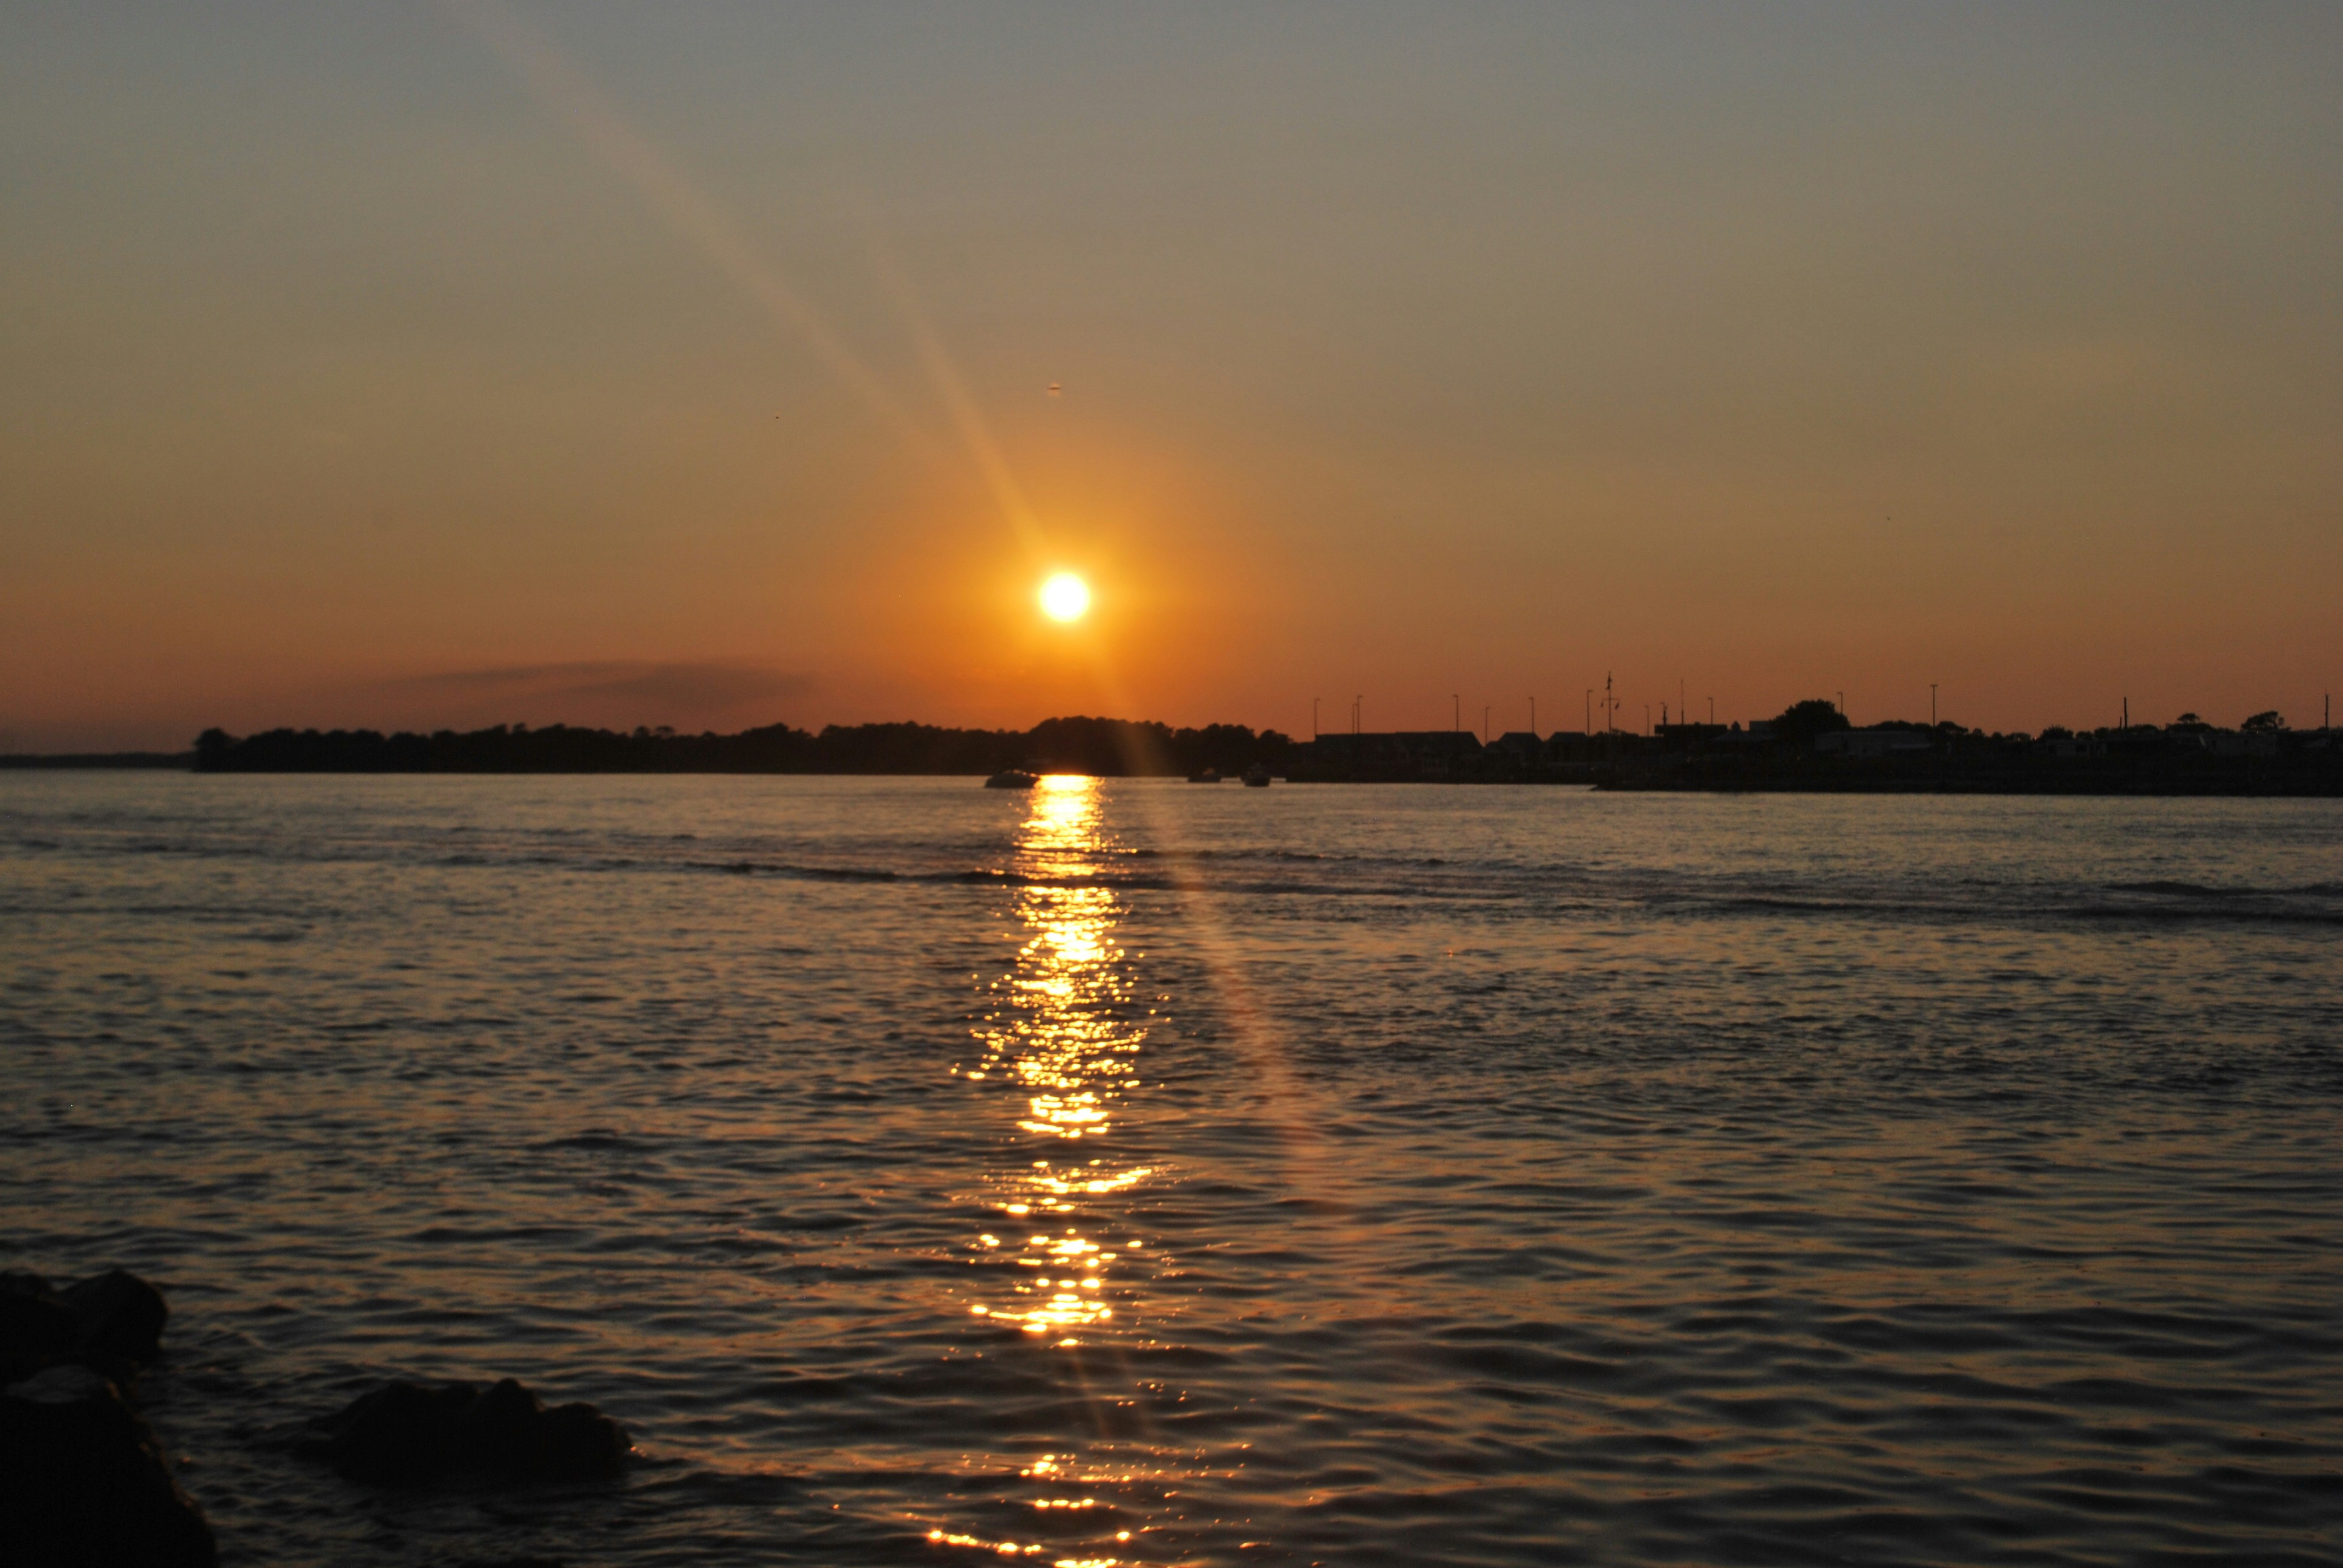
{"type": "Point", "coordinates": [83, 1482]}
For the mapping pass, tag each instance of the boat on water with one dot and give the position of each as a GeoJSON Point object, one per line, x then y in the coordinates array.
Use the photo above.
{"type": "Point", "coordinates": [1012, 778]}
{"type": "Point", "coordinates": [1209, 776]}
{"type": "Point", "coordinates": [1257, 776]}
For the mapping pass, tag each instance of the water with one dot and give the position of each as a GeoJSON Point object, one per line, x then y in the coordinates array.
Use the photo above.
{"type": "Point", "coordinates": [1139, 1173]}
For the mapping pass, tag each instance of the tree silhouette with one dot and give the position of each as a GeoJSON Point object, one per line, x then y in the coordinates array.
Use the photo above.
{"type": "Point", "coordinates": [1798, 724]}
{"type": "Point", "coordinates": [1107, 747]}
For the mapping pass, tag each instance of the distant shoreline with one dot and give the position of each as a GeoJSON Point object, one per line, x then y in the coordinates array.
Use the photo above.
{"type": "Point", "coordinates": [25, 761]}
{"type": "Point", "coordinates": [2229, 783]}
{"type": "Point", "coordinates": [1809, 750]}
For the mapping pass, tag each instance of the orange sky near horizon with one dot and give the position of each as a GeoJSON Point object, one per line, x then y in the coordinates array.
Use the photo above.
{"type": "Point", "coordinates": [472, 365]}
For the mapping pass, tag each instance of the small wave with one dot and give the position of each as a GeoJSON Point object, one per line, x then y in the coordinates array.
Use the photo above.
{"type": "Point", "coordinates": [2222, 913]}
{"type": "Point", "coordinates": [2172, 890]}
{"type": "Point", "coordinates": [1242, 855]}
{"type": "Point", "coordinates": [802, 873]}
{"type": "Point", "coordinates": [598, 1138]}
{"type": "Point", "coordinates": [1780, 904]}
{"type": "Point", "coordinates": [2183, 915]}
{"type": "Point", "coordinates": [842, 873]}
{"type": "Point", "coordinates": [2184, 890]}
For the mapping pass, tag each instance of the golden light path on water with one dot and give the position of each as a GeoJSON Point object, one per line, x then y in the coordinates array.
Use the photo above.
{"type": "Point", "coordinates": [1064, 1026]}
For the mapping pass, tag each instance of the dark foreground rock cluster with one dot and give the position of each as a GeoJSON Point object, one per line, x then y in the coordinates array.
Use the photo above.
{"type": "Point", "coordinates": [82, 1482]}
{"type": "Point", "coordinates": [410, 1432]}
{"type": "Point", "coordinates": [111, 1322]}
{"type": "Point", "coordinates": [85, 1484]}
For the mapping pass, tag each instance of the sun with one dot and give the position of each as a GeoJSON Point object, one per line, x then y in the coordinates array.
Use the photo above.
{"type": "Point", "coordinates": [1065, 597]}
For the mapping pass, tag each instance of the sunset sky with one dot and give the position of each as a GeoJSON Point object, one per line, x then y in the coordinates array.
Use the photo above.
{"type": "Point", "coordinates": [423, 365]}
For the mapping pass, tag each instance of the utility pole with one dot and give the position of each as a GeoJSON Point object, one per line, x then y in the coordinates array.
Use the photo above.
{"type": "Point", "coordinates": [1533, 718]}
{"type": "Point", "coordinates": [1314, 719]}
{"type": "Point", "coordinates": [1684, 708]}
{"type": "Point", "coordinates": [1610, 707]}
{"type": "Point", "coordinates": [1842, 704]}
{"type": "Point", "coordinates": [1932, 705]}
{"type": "Point", "coordinates": [1712, 710]}
{"type": "Point", "coordinates": [2127, 713]}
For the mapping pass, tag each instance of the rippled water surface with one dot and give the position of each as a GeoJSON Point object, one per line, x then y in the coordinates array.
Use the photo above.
{"type": "Point", "coordinates": [1151, 1174]}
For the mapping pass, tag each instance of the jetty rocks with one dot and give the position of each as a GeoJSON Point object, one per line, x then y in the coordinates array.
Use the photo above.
{"type": "Point", "coordinates": [82, 1481]}
{"type": "Point", "coordinates": [409, 1431]}
{"type": "Point", "coordinates": [111, 1322]}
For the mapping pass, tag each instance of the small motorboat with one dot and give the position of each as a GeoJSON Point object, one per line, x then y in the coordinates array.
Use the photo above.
{"type": "Point", "coordinates": [1209, 776]}
{"type": "Point", "coordinates": [1257, 776]}
{"type": "Point", "coordinates": [1012, 778]}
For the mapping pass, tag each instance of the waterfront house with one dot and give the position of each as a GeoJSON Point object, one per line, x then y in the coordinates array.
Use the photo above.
{"type": "Point", "coordinates": [1399, 755]}
{"type": "Point", "coordinates": [1872, 742]}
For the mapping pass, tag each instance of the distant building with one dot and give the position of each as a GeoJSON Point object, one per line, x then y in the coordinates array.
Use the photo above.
{"type": "Point", "coordinates": [1516, 748]}
{"type": "Point", "coordinates": [1388, 755]}
{"type": "Point", "coordinates": [1873, 742]}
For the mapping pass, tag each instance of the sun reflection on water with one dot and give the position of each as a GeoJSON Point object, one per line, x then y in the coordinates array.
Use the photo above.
{"type": "Point", "coordinates": [1068, 1032]}
{"type": "Point", "coordinates": [1064, 1025]}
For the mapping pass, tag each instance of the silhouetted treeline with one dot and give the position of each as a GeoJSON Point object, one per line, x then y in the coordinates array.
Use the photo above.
{"type": "Point", "coordinates": [99, 759]}
{"type": "Point", "coordinates": [1110, 748]}
{"type": "Point", "coordinates": [1811, 746]}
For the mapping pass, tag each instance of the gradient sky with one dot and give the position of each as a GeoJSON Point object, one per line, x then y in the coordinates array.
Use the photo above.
{"type": "Point", "coordinates": [412, 365]}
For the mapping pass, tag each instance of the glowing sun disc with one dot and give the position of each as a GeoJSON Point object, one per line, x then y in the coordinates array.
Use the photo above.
{"type": "Point", "coordinates": [1065, 597]}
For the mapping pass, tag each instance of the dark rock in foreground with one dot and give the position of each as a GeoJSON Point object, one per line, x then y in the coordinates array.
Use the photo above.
{"type": "Point", "coordinates": [409, 1432]}
{"type": "Point", "coordinates": [38, 1327]}
{"type": "Point", "coordinates": [112, 1321]}
{"type": "Point", "coordinates": [83, 1485]}
{"type": "Point", "coordinates": [122, 1316]}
